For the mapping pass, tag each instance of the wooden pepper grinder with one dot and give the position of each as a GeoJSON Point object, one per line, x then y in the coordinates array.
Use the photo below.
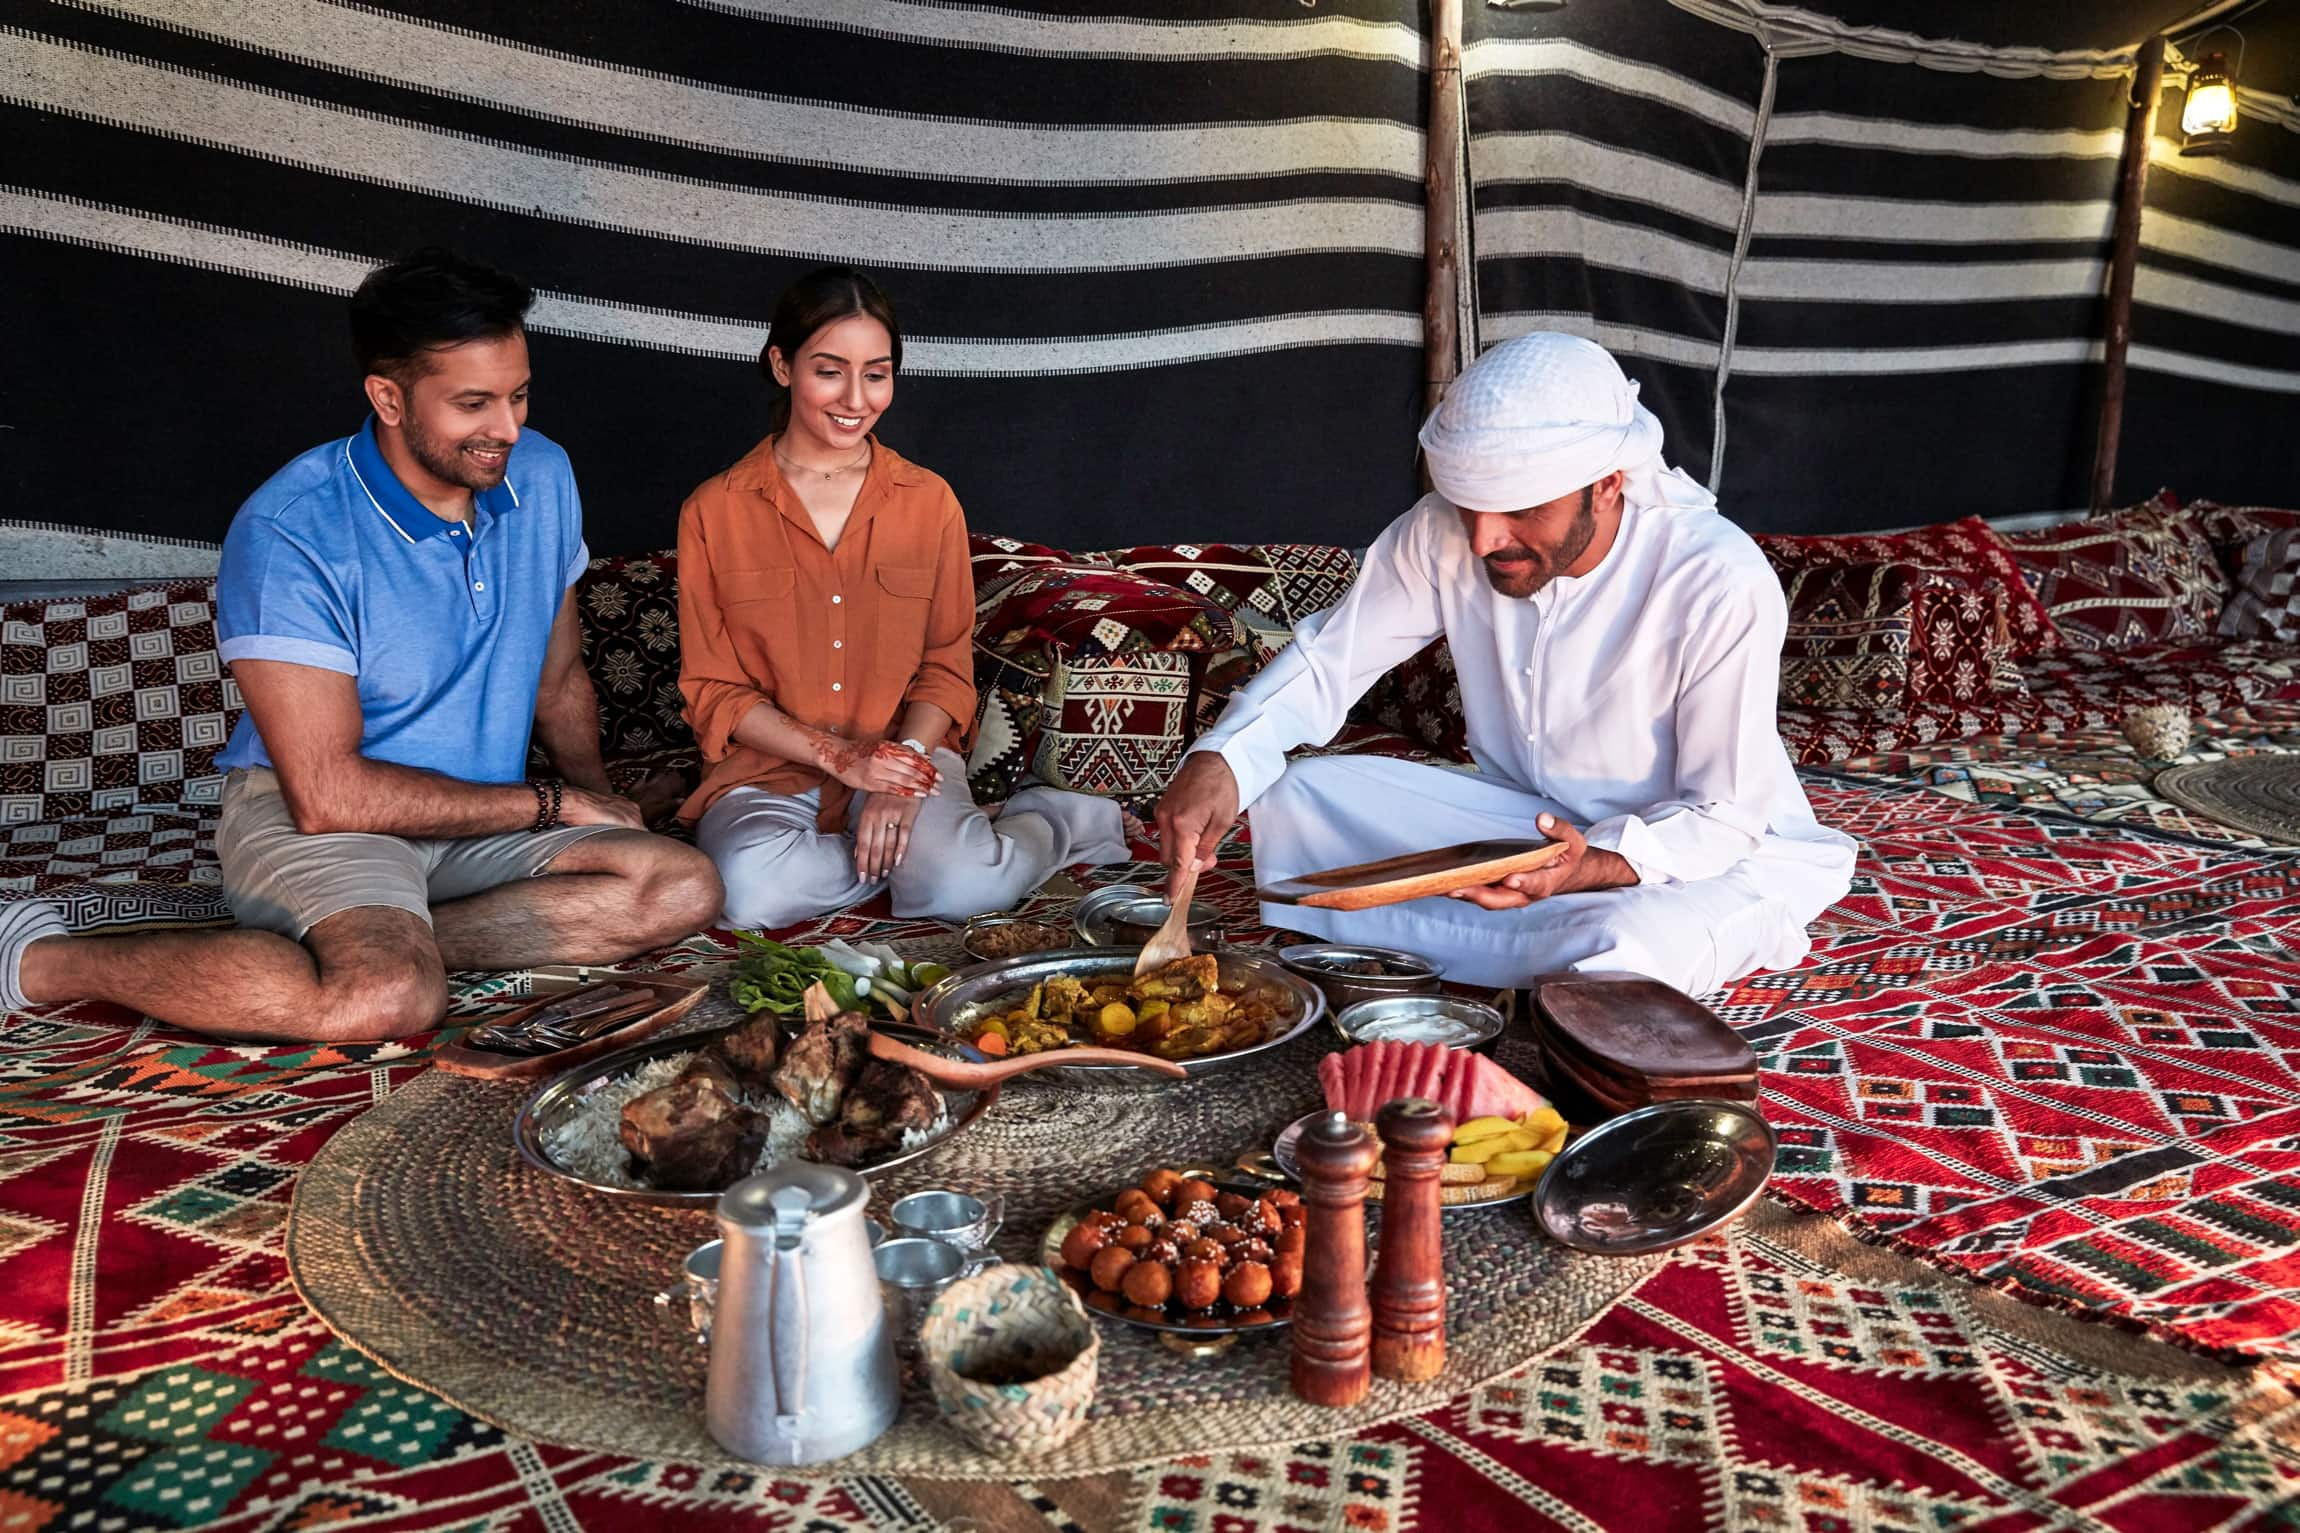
{"type": "Point", "coordinates": [1409, 1274]}
{"type": "Point", "coordinates": [1333, 1326]}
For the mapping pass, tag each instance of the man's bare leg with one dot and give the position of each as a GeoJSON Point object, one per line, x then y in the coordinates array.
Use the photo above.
{"type": "Point", "coordinates": [370, 972]}
{"type": "Point", "coordinates": [603, 899]}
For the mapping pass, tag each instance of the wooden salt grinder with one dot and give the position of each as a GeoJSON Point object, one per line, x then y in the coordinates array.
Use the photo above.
{"type": "Point", "coordinates": [1409, 1274]}
{"type": "Point", "coordinates": [1333, 1326]}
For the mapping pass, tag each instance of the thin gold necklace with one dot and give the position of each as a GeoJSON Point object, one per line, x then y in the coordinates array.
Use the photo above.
{"type": "Point", "coordinates": [827, 473]}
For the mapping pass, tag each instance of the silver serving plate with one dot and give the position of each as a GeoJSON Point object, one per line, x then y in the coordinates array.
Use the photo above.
{"type": "Point", "coordinates": [953, 1005]}
{"type": "Point", "coordinates": [1122, 916]}
{"type": "Point", "coordinates": [1411, 973]}
{"type": "Point", "coordinates": [551, 1102]}
{"type": "Point", "coordinates": [1445, 1020]}
{"type": "Point", "coordinates": [1657, 1177]}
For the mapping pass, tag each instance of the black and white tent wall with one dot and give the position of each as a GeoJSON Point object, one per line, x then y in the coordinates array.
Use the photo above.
{"type": "Point", "coordinates": [1161, 266]}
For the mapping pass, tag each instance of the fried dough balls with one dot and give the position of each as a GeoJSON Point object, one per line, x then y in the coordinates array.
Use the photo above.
{"type": "Point", "coordinates": [1079, 1246]}
{"type": "Point", "coordinates": [1174, 1247]}
{"type": "Point", "coordinates": [1197, 1285]}
{"type": "Point", "coordinates": [1160, 1185]}
{"type": "Point", "coordinates": [1109, 1267]}
{"type": "Point", "coordinates": [1248, 1285]}
{"type": "Point", "coordinates": [1149, 1284]}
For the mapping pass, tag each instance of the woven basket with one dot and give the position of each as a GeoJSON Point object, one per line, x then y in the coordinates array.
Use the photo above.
{"type": "Point", "coordinates": [1011, 1322]}
{"type": "Point", "coordinates": [2159, 731]}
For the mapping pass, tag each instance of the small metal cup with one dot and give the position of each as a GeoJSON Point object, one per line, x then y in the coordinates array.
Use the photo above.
{"type": "Point", "coordinates": [912, 1270]}
{"type": "Point", "coordinates": [698, 1289]}
{"type": "Point", "coordinates": [964, 1220]}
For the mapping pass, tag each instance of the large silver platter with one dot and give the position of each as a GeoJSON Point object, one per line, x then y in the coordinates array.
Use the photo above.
{"type": "Point", "coordinates": [553, 1101]}
{"type": "Point", "coordinates": [953, 1005]}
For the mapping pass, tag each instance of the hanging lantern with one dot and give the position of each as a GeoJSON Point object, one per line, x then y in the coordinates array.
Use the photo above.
{"type": "Point", "coordinates": [2209, 116]}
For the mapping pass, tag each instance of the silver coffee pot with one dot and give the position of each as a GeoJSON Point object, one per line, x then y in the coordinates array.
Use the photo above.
{"type": "Point", "coordinates": [802, 1366]}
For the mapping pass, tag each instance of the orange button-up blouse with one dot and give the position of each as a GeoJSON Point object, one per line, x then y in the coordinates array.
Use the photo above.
{"type": "Point", "coordinates": [841, 640]}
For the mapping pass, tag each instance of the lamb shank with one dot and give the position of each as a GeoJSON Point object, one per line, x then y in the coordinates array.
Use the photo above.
{"type": "Point", "coordinates": [695, 1134]}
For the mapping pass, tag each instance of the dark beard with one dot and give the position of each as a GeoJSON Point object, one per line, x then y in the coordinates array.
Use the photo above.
{"type": "Point", "coordinates": [446, 462]}
{"type": "Point", "coordinates": [1579, 534]}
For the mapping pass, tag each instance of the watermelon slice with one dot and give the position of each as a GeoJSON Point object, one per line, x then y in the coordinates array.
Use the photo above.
{"type": "Point", "coordinates": [1457, 1092]}
{"type": "Point", "coordinates": [1330, 1081]}
{"type": "Point", "coordinates": [1431, 1074]}
{"type": "Point", "coordinates": [1381, 1070]}
{"type": "Point", "coordinates": [1359, 1067]}
{"type": "Point", "coordinates": [1495, 1093]}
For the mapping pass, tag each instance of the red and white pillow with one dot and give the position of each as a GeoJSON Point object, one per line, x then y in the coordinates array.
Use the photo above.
{"type": "Point", "coordinates": [1895, 637]}
{"type": "Point", "coordinates": [2121, 579]}
{"type": "Point", "coordinates": [1969, 549]}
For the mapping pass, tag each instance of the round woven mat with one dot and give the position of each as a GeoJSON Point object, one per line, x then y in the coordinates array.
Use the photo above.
{"type": "Point", "coordinates": [2260, 794]}
{"type": "Point", "coordinates": [420, 1237]}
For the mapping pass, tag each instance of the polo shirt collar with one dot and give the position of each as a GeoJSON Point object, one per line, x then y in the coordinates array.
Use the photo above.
{"type": "Point", "coordinates": [391, 500]}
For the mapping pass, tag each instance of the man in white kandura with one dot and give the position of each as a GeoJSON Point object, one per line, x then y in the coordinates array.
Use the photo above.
{"type": "Point", "coordinates": [1619, 647]}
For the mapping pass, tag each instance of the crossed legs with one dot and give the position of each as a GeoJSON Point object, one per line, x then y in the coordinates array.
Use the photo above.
{"type": "Point", "coordinates": [379, 971]}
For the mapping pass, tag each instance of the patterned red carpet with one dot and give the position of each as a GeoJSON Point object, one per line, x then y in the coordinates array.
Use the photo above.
{"type": "Point", "coordinates": [2063, 1059]}
{"type": "Point", "coordinates": [2059, 1059]}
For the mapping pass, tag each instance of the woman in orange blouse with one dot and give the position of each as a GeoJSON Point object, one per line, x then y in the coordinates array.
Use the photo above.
{"type": "Point", "coordinates": [826, 617]}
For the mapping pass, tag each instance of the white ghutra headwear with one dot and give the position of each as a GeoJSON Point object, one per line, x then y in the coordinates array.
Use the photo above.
{"type": "Point", "coordinates": [1541, 416]}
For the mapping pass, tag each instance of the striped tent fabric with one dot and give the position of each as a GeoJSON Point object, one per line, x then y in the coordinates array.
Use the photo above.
{"type": "Point", "coordinates": [1160, 266]}
{"type": "Point", "coordinates": [1608, 147]}
{"type": "Point", "coordinates": [1861, 275]}
{"type": "Point", "coordinates": [1160, 261]}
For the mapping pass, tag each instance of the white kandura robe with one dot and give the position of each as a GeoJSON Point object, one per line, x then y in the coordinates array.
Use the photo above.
{"type": "Point", "coordinates": [1636, 701]}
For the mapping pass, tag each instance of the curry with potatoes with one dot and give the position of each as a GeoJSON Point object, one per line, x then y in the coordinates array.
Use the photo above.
{"type": "Point", "coordinates": [1181, 1011]}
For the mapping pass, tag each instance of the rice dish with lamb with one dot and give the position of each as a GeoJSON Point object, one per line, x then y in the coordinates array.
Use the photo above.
{"type": "Point", "coordinates": [702, 1121]}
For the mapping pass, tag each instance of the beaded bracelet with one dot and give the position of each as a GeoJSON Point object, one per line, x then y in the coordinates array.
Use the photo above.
{"type": "Point", "coordinates": [549, 794]}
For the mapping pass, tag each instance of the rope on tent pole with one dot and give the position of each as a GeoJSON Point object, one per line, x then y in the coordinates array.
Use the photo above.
{"type": "Point", "coordinates": [1741, 239]}
{"type": "Point", "coordinates": [2131, 190]}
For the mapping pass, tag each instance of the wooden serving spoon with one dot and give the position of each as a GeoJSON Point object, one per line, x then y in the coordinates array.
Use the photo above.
{"type": "Point", "coordinates": [1171, 942]}
{"type": "Point", "coordinates": [966, 1075]}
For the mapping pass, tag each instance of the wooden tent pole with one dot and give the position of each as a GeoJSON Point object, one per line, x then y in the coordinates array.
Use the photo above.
{"type": "Point", "coordinates": [2131, 190]}
{"type": "Point", "coordinates": [1441, 185]}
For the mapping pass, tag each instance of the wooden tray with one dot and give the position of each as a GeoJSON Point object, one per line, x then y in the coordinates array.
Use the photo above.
{"type": "Point", "coordinates": [664, 999]}
{"type": "Point", "coordinates": [1638, 1030]}
{"type": "Point", "coordinates": [1417, 875]}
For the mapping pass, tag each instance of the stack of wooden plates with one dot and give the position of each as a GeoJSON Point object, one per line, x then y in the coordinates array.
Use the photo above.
{"type": "Point", "coordinates": [1622, 1041]}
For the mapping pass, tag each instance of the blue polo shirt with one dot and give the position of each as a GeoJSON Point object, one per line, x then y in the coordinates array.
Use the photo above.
{"type": "Point", "coordinates": [334, 564]}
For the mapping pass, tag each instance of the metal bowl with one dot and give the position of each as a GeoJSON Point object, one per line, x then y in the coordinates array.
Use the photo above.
{"type": "Point", "coordinates": [1442, 1019]}
{"type": "Point", "coordinates": [1314, 960]}
{"type": "Point", "coordinates": [1656, 1177]}
{"type": "Point", "coordinates": [976, 928]}
{"type": "Point", "coordinates": [953, 1005]}
{"type": "Point", "coordinates": [550, 1103]}
{"type": "Point", "coordinates": [1112, 918]}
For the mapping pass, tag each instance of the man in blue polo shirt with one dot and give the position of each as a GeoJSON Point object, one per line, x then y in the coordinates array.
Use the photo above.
{"type": "Point", "coordinates": [397, 610]}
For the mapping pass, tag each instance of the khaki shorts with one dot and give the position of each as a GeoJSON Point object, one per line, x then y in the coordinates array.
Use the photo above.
{"type": "Point", "coordinates": [278, 879]}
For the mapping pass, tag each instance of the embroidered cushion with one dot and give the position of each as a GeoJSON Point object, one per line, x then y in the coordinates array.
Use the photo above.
{"type": "Point", "coordinates": [2230, 528]}
{"type": "Point", "coordinates": [1096, 673]}
{"type": "Point", "coordinates": [1969, 547]}
{"type": "Point", "coordinates": [2141, 575]}
{"type": "Point", "coordinates": [107, 702]}
{"type": "Point", "coordinates": [1268, 587]}
{"type": "Point", "coordinates": [2265, 601]}
{"type": "Point", "coordinates": [999, 561]}
{"type": "Point", "coordinates": [1421, 699]}
{"type": "Point", "coordinates": [629, 606]}
{"type": "Point", "coordinates": [1893, 636]}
